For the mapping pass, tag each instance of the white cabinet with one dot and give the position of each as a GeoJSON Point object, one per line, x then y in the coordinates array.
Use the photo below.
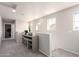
{"type": "Point", "coordinates": [31, 42]}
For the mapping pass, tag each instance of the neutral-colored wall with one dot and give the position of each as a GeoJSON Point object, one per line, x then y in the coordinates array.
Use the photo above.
{"type": "Point", "coordinates": [0, 30]}
{"type": "Point", "coordinates": [21, 26]}
{"type": "Point", "coordinates": [41, 27]}
{"type": "Point", "coordinates": [64, 37]}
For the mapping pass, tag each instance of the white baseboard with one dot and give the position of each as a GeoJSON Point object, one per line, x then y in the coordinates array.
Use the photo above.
{"type": "Point", "coordinates": [43, 52]}
{"type": "Point", "coordinates": [72, 51]}
{"type": "Point", "coordinates": [68, 51]}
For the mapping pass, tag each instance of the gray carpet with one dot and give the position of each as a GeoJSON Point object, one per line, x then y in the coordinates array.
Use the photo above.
{"type": "Point", "coordinates": [10, 48]}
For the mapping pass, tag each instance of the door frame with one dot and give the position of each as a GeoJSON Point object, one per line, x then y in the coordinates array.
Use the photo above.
{"type": "Point", "coordinates": [11, 31]}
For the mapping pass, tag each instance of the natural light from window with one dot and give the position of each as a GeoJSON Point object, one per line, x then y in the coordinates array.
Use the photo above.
{"type": "Point", "coordinates": [36, 27]}
{"type": "Point", "coordinates": [76, 22]}
{"type": "Point", "coordinates": [51, 23]}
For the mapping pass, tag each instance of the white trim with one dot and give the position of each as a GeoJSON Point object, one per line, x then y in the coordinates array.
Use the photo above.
{"type": "Point", "coordinates": [50, 44]}
{"type": "Point", "coordinates": [43, 52]}
{"type": "Point", "coordinates": [4, 29]}
{"type": "Point", "coordinates": [71, 51]}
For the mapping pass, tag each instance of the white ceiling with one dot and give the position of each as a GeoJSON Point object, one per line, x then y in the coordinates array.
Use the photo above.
{"type": "Point", "coordinates": [27, 11]}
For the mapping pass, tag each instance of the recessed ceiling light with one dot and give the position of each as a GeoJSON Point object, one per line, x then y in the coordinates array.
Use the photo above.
{"type": "Point", "coordinates": [13, 10]}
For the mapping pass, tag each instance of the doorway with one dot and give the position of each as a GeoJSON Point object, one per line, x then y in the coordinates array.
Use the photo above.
{"type": "Point", "coordinates": [7, 30]}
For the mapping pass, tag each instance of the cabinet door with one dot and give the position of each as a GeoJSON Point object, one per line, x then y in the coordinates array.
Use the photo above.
{"type": "Point", "coordinates": [35, 42]}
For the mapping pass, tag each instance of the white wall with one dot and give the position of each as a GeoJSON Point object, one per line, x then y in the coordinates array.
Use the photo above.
{"type": "Point", "coordinates": [21, 26]}
{"type": "Point", "coordinates": [42, 27]}
{"type": "Point", "coordinates": [0, 30]}
{"type": "Point", "coordinates": [64, 37]}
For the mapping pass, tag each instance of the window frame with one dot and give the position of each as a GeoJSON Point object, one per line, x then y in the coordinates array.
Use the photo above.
{"type": "Point", "coordinates": [75, 22]}
{"type": "Point", "coordinates": [51, 24]}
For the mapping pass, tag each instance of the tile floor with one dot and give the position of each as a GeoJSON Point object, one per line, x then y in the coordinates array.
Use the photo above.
{"type": "Point", "coordinates": [10, 48]}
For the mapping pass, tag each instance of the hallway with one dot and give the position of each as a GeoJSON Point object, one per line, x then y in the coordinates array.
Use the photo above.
{"type": "Point", "coordinates": [10, 48]}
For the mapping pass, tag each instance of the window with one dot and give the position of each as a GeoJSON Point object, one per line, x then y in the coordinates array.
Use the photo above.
{"type": "Point", "coordinates": [36, 27]}
{"type": "Point", "coordinates": [76, 22]}
{"type": "Point", "coordinates": [51, 23]}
